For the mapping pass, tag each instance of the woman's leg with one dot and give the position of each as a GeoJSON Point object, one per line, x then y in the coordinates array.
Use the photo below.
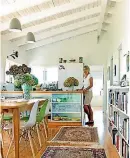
{"type": "Point", "coordinates": [88, 100]}
{"type": "Point", "coordinates": [90, 113]}
{"type": "Point", "coordinates": [86, 110]}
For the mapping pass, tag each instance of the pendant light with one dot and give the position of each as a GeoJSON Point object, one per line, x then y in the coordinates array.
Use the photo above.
{"type": "Point", "coordinates": [15, 25]}
{"type": "Point", "coordinates": [30, 37]}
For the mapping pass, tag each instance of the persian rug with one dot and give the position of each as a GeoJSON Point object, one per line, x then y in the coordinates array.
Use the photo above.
{"type": "Point", "coordinates": [79, 135]}
{"type": "Point", "coordinates": [73, 152]}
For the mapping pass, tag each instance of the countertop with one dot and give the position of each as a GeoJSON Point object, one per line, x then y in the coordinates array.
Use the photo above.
{"type": "Point", "coordinates": [19, 92]}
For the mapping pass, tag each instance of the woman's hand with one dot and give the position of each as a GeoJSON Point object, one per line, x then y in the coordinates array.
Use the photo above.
{"type": "Point", "coordinates": [85, 90]}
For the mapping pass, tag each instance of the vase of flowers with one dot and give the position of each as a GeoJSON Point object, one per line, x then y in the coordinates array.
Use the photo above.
{"type": "Point", "coordinates": [26, 91]}
{"type": "Point", "coordinates": [25, 81]}
{"type": "Point", "coordinates": [71, 82]}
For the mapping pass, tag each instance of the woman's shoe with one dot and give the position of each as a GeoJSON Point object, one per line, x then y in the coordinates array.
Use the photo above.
{"type": "Point", "coordinates": [89, 123]}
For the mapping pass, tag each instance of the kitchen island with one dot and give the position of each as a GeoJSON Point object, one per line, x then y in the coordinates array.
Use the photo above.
{"type": "Point", "coordinates": [64, 106]}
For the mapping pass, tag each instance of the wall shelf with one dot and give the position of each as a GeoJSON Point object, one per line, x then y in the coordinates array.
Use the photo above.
{"type": "Point", "coordinates": [119, 117]}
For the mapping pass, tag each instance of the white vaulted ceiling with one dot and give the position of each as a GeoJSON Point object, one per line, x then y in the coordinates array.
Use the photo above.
{"type": "Point", "coordinates": [50, 18]}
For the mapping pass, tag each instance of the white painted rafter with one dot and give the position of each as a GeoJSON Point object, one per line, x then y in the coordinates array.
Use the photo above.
{"type": "Point", "coordinates": [46, 13]}
{"type": "Point", "coordinates": [60, 30]}
{"type": "Point", "coordinates": [103, 6]}
{"type": "Point", "coordinates": [56, 22]}
{"type": "Point", "coordinates": [61, 37]}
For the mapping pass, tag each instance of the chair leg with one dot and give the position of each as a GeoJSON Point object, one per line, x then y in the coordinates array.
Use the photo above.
{"type": "Point", "coordinates": [10, 147]}
{"type": "Point", "coordinates": [2, 155]}
{"type": "Point", "coordinates": [31, 144]}
{"type": "Point", "coordinates": [39, 138]}
{"type": "Point", "coordinates": [41, 124]}
{"type": "Point", "coordinates": [46, 124]}
{"type": "Point", "coordinates": [44, 128]}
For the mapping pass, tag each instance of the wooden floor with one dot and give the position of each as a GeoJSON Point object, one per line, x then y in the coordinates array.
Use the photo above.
{"type": "Point", "coordinates": [25, 151]}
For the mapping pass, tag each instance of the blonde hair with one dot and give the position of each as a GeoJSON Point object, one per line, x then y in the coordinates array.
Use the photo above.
{"type": "Point", "coordinates": [86, 67]}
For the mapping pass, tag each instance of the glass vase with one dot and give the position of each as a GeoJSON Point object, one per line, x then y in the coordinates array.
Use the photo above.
{"type": "Point", "coordinates": [26, 91]}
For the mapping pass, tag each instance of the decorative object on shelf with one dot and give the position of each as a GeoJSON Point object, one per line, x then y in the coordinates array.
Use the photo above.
{"type": "Point", "coordinates": [61, 67]}
{"type": "Point", "coordinates": [56, 117]}
{"type": "Point", "coordinates": [37, 87]}
{"type": "Point", "coordinates": [114, 70]}
{"type": "Point", "coordinates": [15, 25]}
{"type": "Point", "coordinates": [128, 63]}
{"type": "Point", "coordinates": [15, 70]}
{"type": "Point", "coordinates": [71, 82]}
{"type": "Point", "coordinates": [30, 37]}
{"type": "Point", "coordinates": [60, 60]}
{"type": "Point", "coordinates": [124, 82]}
{"type": "Point", "coordinates": [72, 60]}
{"type": "Point", "coordinates": [80, 59]}
{"type": "Point", "coordinates": [13, 55]}
{"type": "Point", "coordinates": [64, 61]}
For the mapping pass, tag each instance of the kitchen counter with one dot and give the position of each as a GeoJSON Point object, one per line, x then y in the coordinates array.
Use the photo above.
{"type": "Point", "coordinates": [19, 92]}
{"type": "Point", "coordinates": [64, 106]}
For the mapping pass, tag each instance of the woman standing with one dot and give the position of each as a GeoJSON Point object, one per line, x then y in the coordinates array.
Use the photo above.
{"type": "Point", "coordinates": [87, 90]}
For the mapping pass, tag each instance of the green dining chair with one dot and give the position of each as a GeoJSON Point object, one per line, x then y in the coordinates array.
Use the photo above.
{"type": "Point", "coordinates": [39, 120]}
{"type": "Point", "coordinates": [6, 119]}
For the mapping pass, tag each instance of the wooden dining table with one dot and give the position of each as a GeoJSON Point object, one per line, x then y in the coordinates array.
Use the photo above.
{"type": "Point", "coordinates": [15, 107]}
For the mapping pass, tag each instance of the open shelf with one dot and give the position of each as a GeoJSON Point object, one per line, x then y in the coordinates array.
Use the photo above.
{"type": "Point", "coordinates": [119, 117]}
{"type": "Point", "coordinates": [66, 102]}
{"type": "Point", "coordinates": [66, 112]}
{"type": "Point", "coordinates": [66, 107]}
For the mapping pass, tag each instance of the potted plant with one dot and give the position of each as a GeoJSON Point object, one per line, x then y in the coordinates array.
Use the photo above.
{"type": "Point", "coordinates": [71, 82]}
{"type": "Point", "coordinates": [25, 81]}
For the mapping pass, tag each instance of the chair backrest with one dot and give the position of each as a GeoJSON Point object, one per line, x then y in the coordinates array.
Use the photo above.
{"type": "Point", "coordinates": [41, 114]}
{"type": "Point", "coordinates": [32, 119]}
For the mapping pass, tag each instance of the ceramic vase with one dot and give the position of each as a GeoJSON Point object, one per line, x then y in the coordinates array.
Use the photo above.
{"type": "Point", "coordinates": [26, 91]}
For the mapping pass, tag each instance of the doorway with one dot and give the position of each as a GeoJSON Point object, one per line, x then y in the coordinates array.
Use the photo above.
{"type": "Point", "coordinates": [97, 74]}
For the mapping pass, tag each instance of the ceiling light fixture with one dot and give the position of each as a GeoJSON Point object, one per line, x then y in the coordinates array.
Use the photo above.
{"type": "Point", "coordinates": [30, 37]}
{"type": "Point", "coordinates": [15, 25]}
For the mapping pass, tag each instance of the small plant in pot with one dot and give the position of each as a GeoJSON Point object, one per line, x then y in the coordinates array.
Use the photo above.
{"type": "Point", "coordinates": [71, 82]}
{"type": "Point", "coordinates": [25, 82]}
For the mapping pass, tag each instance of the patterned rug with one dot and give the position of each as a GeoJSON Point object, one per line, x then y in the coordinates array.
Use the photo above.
{"type": "Point", "coordinates": [73, 152]}
{"type": "Point", "coordinates": [73, 134]}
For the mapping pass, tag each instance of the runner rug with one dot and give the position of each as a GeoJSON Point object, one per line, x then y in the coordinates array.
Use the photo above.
{"type": "Point", "coordinates": [73, 152]}
{"type": "Point", "coordinates": [76, 135]}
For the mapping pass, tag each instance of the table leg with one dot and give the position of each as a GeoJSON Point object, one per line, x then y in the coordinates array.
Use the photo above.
{"type": "Point", "coordinates": [16, 121]}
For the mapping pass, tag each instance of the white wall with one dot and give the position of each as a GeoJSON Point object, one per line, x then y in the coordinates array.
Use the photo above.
{"type": "Point", "coordinates": [119, 33]}
{"type": "Point", "coordinates": [119, 30]}
{"type": "Point", "coordinates": [85, 46]}
{"type": "Point", "coordinates": [7, 48]}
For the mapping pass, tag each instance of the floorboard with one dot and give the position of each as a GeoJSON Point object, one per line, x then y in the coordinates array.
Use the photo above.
{"type": "Point", "coordinates": [100, 122]}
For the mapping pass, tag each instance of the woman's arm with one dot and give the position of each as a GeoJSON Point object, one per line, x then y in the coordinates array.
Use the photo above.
{"type": "Point", "coordinates": [91, 85]}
